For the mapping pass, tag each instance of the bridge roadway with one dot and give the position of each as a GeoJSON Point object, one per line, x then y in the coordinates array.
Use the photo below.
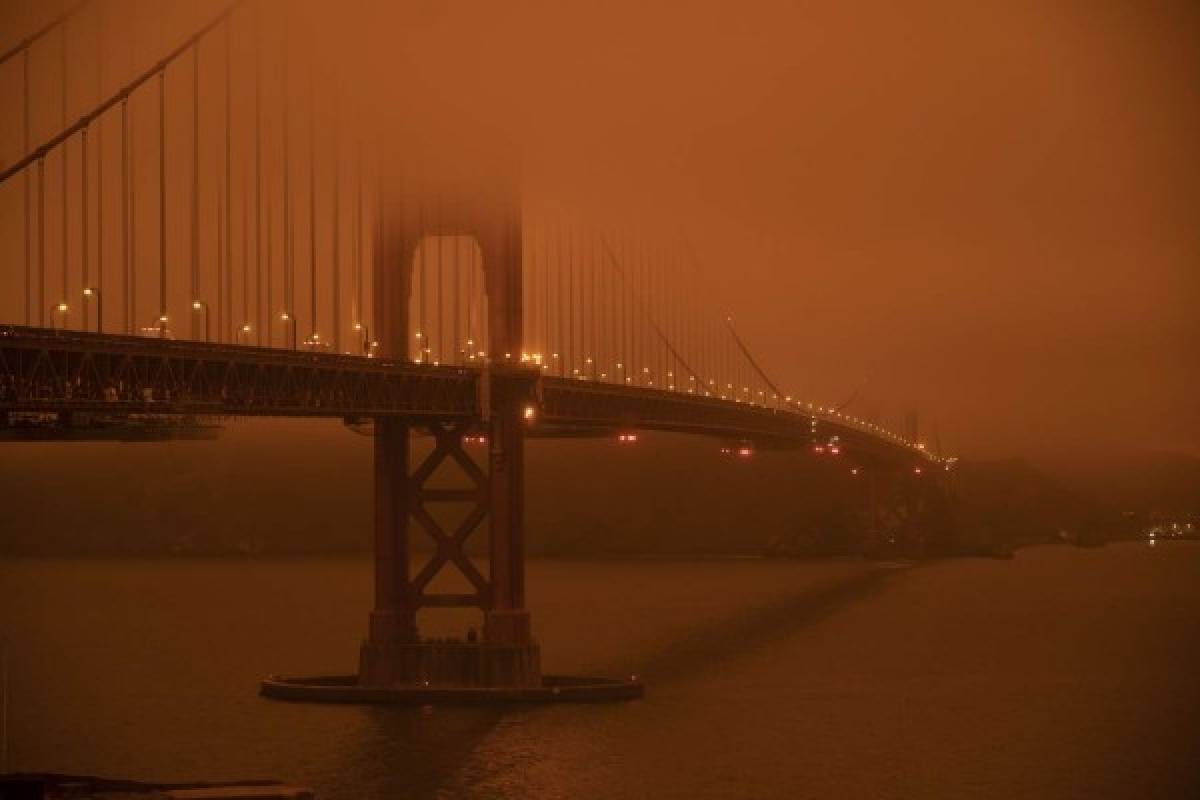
{"type": "Point", "coordinates": [48, 370]}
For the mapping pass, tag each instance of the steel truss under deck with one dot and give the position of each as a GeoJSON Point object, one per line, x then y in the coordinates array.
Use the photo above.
{"type": "Point", "coordinates": [44, 370]}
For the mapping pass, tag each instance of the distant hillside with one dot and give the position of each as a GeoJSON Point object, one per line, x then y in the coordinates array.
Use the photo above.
{"type": "Point", "coordinates": [1140, 481]}
{"type": "Point", "coordinates": [305, 487]}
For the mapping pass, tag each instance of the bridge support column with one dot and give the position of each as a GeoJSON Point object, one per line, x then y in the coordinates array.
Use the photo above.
{"type": "Point", "coordinates": [507, 629]}
{"type": "Point", "coordinates": [393, 621]}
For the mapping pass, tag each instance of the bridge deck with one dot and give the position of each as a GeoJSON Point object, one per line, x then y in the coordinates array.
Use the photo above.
{"type": "Point", "coordinates": [44, 370]}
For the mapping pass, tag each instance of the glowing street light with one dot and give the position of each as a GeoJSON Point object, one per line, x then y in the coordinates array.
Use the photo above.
{"type": "Point", "coordinates": [290, 321]}
{"type": "Point", "coordinates": [199, 306]}
{"type": "Point", "coordinates": [93, 292]}
{"type": "Point", "coordinates": [364, 338]}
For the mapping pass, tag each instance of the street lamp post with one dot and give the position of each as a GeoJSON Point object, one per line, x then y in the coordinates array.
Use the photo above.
{"type": "Point", "coordinates": [92, 291]}
{"type": "Point", "coordinates": [364, 333]}
{"type": "Point", "coordinates": [199, 306]}
{"type": "Point", "coordinates": [290, 321]}
{"type": "Point", "coordinates": [61, 309]}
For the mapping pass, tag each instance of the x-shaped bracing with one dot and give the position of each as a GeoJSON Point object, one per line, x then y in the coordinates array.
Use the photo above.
{"type": "Point", "coordinates": [448, 438]}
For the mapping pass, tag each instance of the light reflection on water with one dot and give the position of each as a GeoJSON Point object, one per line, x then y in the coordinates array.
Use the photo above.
{"type": "Point", "coordinates": [1064, 672]}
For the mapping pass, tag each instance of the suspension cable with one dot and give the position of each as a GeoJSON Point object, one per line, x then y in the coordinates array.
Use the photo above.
{"type": "Point", "coordinates": [29, 41]}
{"type": "Point", "coordinates": [119, 96]}
{"type": "Point", "coordinates": [750, 358]}
{"type": "Point", "coordinates": [649, 317]}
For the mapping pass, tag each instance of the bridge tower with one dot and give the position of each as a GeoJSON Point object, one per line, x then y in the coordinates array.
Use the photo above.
{"type": "Point", "coordinates": [486, 207]}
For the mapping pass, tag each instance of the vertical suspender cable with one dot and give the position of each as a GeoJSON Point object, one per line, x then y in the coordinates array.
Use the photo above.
{"type": "Point", "coordinates": [547, 348]}
{"type": "Point", "coordinates": [132, 284]}
{"type": "Point", "coordinates": [561, 305]}
{"type": "Point", "coordinates": [611, 336]}
{"type": "Point", "coordinates": [611, 301]}
{"type": "Point", "coordinates": [529, 287]}
{"type": "Point", "coordinates": [83, 215]}
{"type": "Point", "coordinates": [571, 320]}
{"type": "Point", "coordinates": [195, 235]}
{"type": "Point", "coordinates": [28, 211]}
{"type": "Point", "coordinates": [594, 307]}
{"type": "Point", "coordinates": [441, 342]}
{"type": "Point", "coordinates": [162, 202]}
{"type": "Point", "coordinates": [422, 330]}
{"type": "Point", "coordinates": [471, 349]}
{"type": "Point", "coordinates": [245, 204]}
{"type": "Point", "coordinates": [269, 309]}
{"type": "Point", "coordinates": [358, 244]}
{"type": "Point", "coordinates": [637, 298]}
{"type": "Point", "coordinates": [456, 304]}
{"type": "Point", "coordinates": [99, 172]}
{"type": "Point", "coordinates": [227, 278]}
{"type": "Point", "coordinates": [270, 299]}
{"type": "Point", "coordinates": [65, 147]}
{"type": "Point", "coordinates": [125, 210]}
{"type": "Point", "coordinates": [289, 295]}
{"type": "Point", "coordinates": [261, 318]}
{"type": "Point", "coordinates": [312, 203]}
{"type": "Point", "coordinates": [41, 182]}
{"type": "Point", "coordinates": [637, 256]}
{"type": "Point", "coordinates": [584, 305]}
{"type": "Point", "coordinates": [337, 229]}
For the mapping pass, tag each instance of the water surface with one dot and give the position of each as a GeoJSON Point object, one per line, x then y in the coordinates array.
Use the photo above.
{"type": "Point", "coordinates": [1062, 673]}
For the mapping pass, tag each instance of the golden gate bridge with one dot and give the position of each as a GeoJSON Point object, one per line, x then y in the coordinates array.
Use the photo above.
{"type": "Point", "coordinates": [220, 233]}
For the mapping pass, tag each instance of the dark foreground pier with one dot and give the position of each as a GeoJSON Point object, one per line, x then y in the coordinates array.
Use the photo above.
{"type": "Point", "coordinates": [553, 689]}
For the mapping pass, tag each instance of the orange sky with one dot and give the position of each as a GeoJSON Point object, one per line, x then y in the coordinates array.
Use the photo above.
{"type": "Point", "coordinates": [985, 211]}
